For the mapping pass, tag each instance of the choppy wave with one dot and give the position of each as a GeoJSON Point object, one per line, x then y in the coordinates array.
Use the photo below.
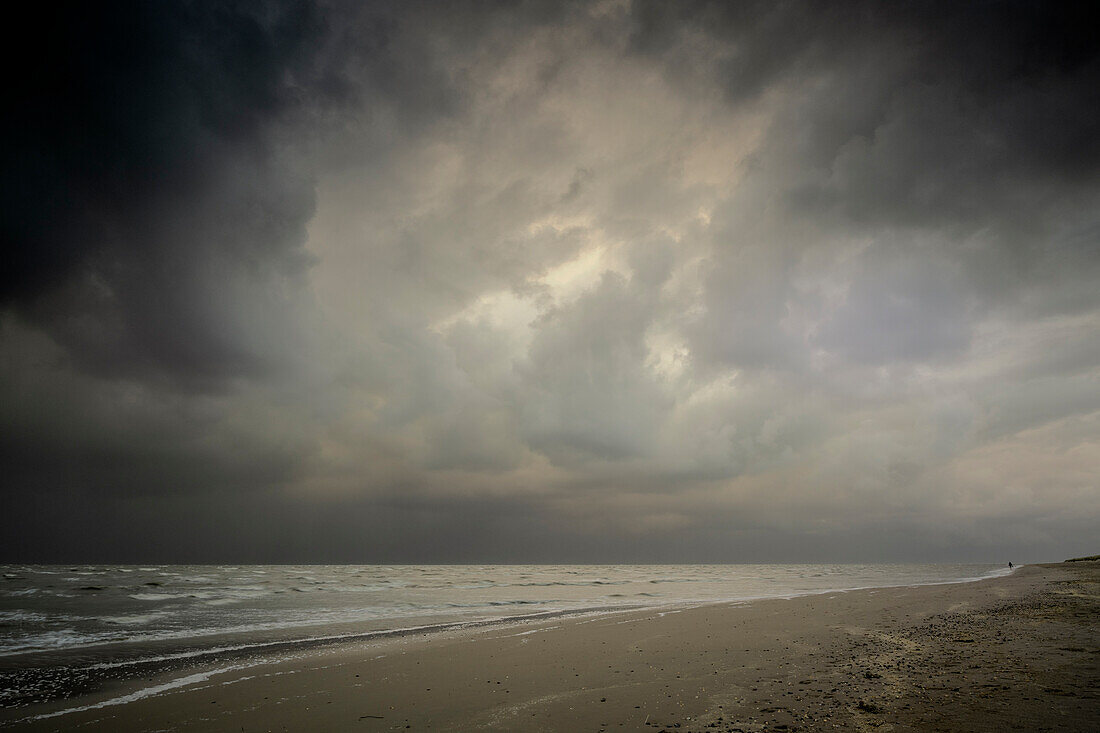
{"type": "Point", "coordinates": [50, 608]}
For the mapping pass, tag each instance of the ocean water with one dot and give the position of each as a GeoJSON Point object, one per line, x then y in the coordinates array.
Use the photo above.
{"type": "Point", "coordinates": [63, 626]}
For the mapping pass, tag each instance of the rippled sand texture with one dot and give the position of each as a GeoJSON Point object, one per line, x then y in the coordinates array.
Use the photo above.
{"type": "Point", "coordinates": [1014, 653]}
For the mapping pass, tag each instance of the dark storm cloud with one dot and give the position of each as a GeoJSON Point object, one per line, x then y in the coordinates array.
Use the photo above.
{"type": "Point", "coordinates": [998, 55]}
{"type": "Point", "coordinates": [539, 281]}
{"type": "Point", "coordinates": [145, 181]}
{"type": "Point", "coordinates": [960, 136]}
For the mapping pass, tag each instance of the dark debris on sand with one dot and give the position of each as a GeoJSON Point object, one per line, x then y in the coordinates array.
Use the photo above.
{"type": "Point", "coordinates": [1031, 664]}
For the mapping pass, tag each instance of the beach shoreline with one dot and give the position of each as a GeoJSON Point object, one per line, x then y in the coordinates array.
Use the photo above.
{"type": "Point", "coordinates": [1018, 650]}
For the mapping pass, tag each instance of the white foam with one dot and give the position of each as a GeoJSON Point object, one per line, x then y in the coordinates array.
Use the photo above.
{"type": "Point", "coordinates": [17, 616]}
{"type": "Point", "coordinates": [155, 596]}
{"type": "Point", "coordinates": [135, 619]}
{"type": "Point", "coordinates": [143, 693]}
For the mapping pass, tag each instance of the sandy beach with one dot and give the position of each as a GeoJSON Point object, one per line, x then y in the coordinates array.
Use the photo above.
{"type": "Point", "coordinates": [1020, 652]}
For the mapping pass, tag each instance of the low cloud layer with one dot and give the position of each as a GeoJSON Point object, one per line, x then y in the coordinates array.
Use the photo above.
{"type": "Point", "coordinates": [613, 281]}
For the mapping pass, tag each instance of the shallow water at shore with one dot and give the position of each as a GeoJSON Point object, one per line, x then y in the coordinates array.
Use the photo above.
{"type": "Point", "coordinates": [62, 628]}
{"type": "Point", "coordinates": [1012, 652]}
{"type": "Point", "coordinates": [45, 608]}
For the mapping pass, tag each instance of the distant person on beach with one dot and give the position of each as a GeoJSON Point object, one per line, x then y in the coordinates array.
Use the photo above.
{"type": "Point", "coordinates": [1010, 566]}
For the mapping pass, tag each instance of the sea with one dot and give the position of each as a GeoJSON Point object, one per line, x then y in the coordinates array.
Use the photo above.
{"type": "Point", "coordinates": [70, 630]}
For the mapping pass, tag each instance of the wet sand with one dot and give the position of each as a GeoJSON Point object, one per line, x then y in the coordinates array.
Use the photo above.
{"type": "Point", "coordinates": [1015, 653]}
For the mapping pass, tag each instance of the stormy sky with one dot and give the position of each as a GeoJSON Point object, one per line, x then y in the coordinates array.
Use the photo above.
{"type": "Point", "coordinates": [619, 281]}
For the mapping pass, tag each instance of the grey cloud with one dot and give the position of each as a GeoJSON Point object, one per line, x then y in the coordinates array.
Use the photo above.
{"type": "Point", "coordinates": [1036, 402]}
{"type": "Point", "coordinates": [942, 126]}
{"type": "Point", "coordinates": [587, 393]}
{"type": "Point", "coordinates": [64, 432]}
{"type": "Point", "coordinates": [907, 308]}
{"type": "Point", "coordinates": [545, 281]}
{"type": "Point", "coordinates": [746, 303]}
